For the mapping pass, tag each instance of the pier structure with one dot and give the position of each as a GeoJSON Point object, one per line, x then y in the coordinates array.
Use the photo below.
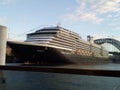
{"type": "Point", "coordinates": [3, 37]}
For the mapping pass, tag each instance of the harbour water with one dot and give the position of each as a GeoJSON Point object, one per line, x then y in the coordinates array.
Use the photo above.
{"type": "Point", "coordinates": [23, 80]}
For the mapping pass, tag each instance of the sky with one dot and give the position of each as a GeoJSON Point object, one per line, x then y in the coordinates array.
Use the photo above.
{"type": "Point", "coordinates": [98, 18]}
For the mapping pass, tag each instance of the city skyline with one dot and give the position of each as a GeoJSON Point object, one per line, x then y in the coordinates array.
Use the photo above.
{"type": "Point", "coordinates": [100, 18]}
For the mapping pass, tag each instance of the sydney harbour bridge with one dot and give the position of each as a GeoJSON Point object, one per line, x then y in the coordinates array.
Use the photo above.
{"type": "Point", "coordinates": [112, 45]}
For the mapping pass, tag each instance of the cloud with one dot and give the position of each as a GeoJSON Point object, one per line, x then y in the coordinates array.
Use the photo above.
{"type": "Point", "coordinates": [84, 17]}
{"type": "Point", "coordinates": [6, 2]}
{"type": "Point", "coordinates": [94, 10]}
{"type": "Point", "coordinates": [109, 6]}
{"type": "Point", "coordinates": [3, 20]}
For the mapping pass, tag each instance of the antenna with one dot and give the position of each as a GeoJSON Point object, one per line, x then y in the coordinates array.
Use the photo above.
{"type": "Point", "coordinates": [58, 24]}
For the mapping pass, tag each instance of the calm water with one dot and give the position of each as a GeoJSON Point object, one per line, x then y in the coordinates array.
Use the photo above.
{"type": "Point", "coordinates": [15, 80]}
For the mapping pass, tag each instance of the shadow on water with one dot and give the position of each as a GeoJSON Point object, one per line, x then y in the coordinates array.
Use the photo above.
{"type": "Point", "coordinates": [24, 80]}
{"type": "Point", "coordinates": [15, 80]}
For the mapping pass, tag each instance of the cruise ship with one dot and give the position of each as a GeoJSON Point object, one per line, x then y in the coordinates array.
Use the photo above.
{"type": "Point", "coordinates": [57, 45]}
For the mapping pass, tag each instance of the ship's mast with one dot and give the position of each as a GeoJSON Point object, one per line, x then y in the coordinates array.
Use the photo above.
{"type": "Point", "coordinates": [58, 24]}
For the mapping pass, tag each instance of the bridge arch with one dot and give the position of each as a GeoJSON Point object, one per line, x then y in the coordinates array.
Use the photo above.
{"type": "Point", "coordinates": [112, 41]}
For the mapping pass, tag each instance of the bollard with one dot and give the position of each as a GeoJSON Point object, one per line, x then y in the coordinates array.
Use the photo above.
{"type": "Point", "coordinates": [3, 38]}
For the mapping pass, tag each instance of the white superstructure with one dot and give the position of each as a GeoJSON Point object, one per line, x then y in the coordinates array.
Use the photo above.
{"type": "Point", "coordinates": [61, 37]}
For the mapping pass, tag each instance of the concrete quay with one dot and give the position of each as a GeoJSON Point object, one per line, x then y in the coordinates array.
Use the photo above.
{"type": "Point", "coordinates": [109, 70]}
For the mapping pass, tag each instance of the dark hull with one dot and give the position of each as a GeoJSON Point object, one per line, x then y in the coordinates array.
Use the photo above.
{"type": "Point", "coordinates": [48, 55]}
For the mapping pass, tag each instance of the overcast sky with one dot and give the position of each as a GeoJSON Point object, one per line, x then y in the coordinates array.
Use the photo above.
{"type": "Point", "coordinates": [86, 17]}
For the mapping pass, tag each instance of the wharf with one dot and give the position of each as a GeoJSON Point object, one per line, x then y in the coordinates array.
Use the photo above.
{"type": "Point", "coordinates": [110, 70]}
